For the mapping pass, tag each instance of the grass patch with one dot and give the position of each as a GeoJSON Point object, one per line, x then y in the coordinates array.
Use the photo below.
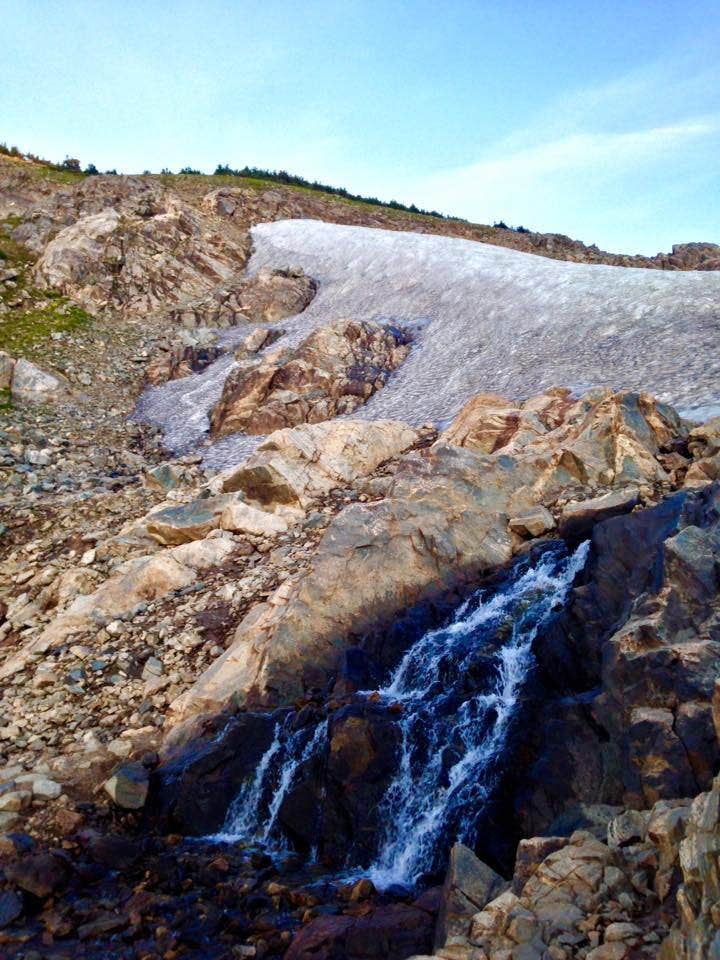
{"type": "Point", "coordinates": [25, 328]}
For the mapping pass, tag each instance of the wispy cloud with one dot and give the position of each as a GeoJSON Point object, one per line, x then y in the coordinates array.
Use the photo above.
{"type": "Point", "coordinates": [622, 144]}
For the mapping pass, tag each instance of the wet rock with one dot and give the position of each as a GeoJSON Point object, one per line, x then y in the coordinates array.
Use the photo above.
{"type": "Point", "coordinates": [41, 874]}
{"type": "Point", "coordinates": [11, 907]}
{"type": "Point", "coordinates": [394, 931]}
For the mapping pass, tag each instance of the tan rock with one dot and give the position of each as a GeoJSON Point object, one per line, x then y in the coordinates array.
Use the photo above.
{"type": "Point", "coordinates": [295, 466]}
{"type": "Point", "coordinates": [240, 517]}
{"type": "Point", "coordinates": [336, 369]}
{"type": "Point", "coordinates": [138, 580]}
{"type": "Point", "coordinates": [445, 518]}
{"type": "Point", "coordinates": [532, 523]}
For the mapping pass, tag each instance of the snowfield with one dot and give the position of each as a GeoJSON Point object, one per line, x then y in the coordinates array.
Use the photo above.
{"type": "Point", "coordinates": [487, 319]}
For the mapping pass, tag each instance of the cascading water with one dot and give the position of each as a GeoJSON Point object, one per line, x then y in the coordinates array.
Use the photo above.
{"type": "Point", "coordinates": [253, 813]}
{"type": "Point", "coordinates": [435, 793]}
{"type": "Point", "coordinates": [455, 694]}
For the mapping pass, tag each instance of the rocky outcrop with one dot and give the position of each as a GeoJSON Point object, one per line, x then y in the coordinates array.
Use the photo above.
{"type": "Point", "coordinates": [624, 715]}
{"type": "Point", "coordinates": [294, 467]}
{"type": "Point", "coordinates": [266, 297]}
{"type": "Point", "coordinates": [126, 244]}
{"type": "Point", "coordinates": [444, 521]}
{"type": "Point", "coordinates": [696, 934]}
{"type": "Point", "coordinates": [180, 361]}
{"type": "Point", "coordinates": [333, 372]}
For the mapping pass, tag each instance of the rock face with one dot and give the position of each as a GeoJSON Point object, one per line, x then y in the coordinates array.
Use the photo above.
{"type": "Point", "coordinates": [334, 371]}
{"type": "Point", "coordinates": [626, 712]}
{"type": "Point", "coordinates": [266, 297]}
{"type": "Point", "coordinates": [129, 246]}
{"type": "Point", "coordinates": [444, 521]}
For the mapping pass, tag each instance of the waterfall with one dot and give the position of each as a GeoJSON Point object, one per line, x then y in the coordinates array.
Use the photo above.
{"type": "Point", "coordinates": [433, 791]}
{"type": "Point", "coordinates": [252, 816]}
{"type": "Point", "coordinates": [458, 688]}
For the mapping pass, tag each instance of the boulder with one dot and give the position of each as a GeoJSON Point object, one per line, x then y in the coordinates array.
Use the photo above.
{"type": "Point", "coordinates": [40, 874]}
{"type": "Point", "coordinates": [294, 467]}
{"type": "Point", "coordinates": [394, 930]}
{"type": "Point", "coordinates": [30, 384]}
{"type": "Point", "coordinates": [469, 886]}
{"type": "Point", "coordinates": [128, 786]}
{"type": "Point", "coordinates": [240, 517]}
{"type": "Point", "coordinates": [336, 369]}
{"type": "Point", "coordinates": [11, 907]}
{"type": "Point", "coordinates": [186, 522]}
{"type": "Point", "coordinates": [532, 523]}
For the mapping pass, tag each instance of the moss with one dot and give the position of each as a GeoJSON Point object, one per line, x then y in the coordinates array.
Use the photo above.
{"type": "Point", "coordinates": [24, 328]}
{"type": "Point", "coordinates": [5, 400]}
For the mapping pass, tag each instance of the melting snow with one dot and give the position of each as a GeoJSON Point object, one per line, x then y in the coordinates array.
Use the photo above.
{"type": "Point", "coordinates": [487, 319]}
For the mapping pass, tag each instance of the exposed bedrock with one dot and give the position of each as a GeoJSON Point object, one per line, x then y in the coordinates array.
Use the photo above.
{"type": "Point", "coordinates": [445, 518]}
{"type": "Point", "coordinates": [333, 372]}
{"type": "Point", "coordinates": [265, 297]}
{"type": "Point", "coordinates": [623, 711]}
{"type": "Point", "coordinates": [127, 244]}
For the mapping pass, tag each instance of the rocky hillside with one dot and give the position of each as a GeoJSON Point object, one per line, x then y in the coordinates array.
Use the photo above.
{"type": "Point", "coordinates": [377, 688]}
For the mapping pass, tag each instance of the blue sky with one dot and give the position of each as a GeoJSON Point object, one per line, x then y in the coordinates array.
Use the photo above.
{"type": "Point", "coordinates": [601, 121]}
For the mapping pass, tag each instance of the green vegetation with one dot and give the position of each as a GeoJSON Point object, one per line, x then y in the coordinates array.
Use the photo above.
{"type": "Point", "coordinates": [5, 400]}
{"type": "Point", "coordinates": [31, 314]}
{"type": "Point", "coordinates": [293, 180]}
{"type": "Point", "coordinates": [23, 328]}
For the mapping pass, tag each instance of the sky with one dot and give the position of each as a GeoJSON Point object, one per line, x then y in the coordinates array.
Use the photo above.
{"type": "Point", "coordinates": [597, 120]}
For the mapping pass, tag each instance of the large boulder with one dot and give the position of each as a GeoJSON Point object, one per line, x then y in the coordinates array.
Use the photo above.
{"type": "Point", "coordinates": [469, 886]}
{"type": "Point", "coordinates": [335, 370]}
{"type": "Point", "coordinates": [30, 384]}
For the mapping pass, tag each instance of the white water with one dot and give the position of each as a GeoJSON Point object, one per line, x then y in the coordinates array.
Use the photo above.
{"type": "Point", "coordinates": [488, 319]}
{"type": "Point", "coordinates": [252, 816]}
{"type": "Point", "coordinates": [434, 798]}
{"type": "Point", "coordinates": [430, 795]}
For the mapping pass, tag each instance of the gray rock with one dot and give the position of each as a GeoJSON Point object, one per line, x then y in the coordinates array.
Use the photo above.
{"type": "Point", "coordinates": [128, 786]}
{"type": "Point", "coordinates": [10, 907]}
{"type": "Point", "coordinates": [469, 886]}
